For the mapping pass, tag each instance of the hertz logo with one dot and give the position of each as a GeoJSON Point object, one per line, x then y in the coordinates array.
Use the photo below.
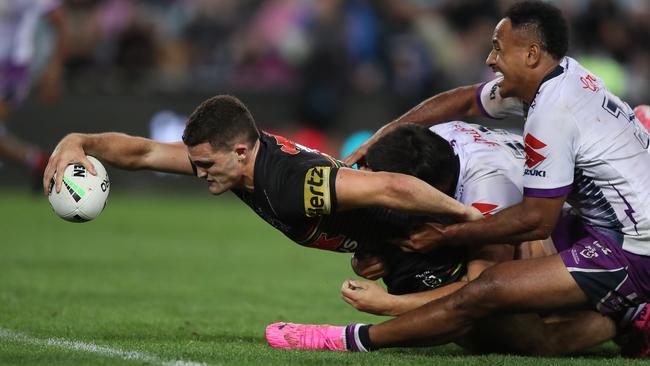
{"type": "Point", "coordinates": [317, 191]}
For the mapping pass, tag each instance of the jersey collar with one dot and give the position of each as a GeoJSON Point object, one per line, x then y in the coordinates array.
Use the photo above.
{"type": "Point", "coordinates": [557, 71]}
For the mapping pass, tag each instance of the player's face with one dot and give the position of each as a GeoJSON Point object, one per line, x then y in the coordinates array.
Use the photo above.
{"type": "Point", "coordinates": [222, 169]}
{"type": "Point", "coordinates": [508, 58]}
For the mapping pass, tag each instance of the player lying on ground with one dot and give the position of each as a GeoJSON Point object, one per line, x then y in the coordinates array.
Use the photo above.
{"type": "Point", "coordinates": [584, 146]}
{"type": "Point", "coordinates": [306, 195]}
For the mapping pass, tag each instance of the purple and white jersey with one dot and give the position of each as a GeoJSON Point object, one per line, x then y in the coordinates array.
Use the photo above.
{"type": "Point", "coordinates": [584, 142]}
{"type": "Point", "coordinates": [18, 21]}
{"type": "Point", "coordinates": [490, 165]}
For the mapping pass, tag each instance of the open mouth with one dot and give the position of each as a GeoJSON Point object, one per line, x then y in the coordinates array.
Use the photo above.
{"type": "Point", "coordinates": [498, 74]}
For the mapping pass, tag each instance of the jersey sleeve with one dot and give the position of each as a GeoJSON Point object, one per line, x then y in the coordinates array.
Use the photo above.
{"type": "Point", "coordinates": [491, 193]}
{"type": "Point", "coordinates": [305, 189]}
{"type": "Point", "coordinates": [319, 191]}
{"type": "Point", "coordinates": [550, 145]}
{"type": "Point", "coordinates": [492, 105]}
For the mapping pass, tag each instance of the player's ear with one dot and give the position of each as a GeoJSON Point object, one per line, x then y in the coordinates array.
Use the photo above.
{"type": "Point", "coordinates": [534, 54]}
{"type": "Point", "coordinates": [242, 151]}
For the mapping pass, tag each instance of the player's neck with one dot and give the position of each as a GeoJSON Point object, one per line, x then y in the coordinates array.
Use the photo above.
{"type": "Point", "coordinates": [546, 66]}
{"type": "Point", "coordinates": [249, 170]}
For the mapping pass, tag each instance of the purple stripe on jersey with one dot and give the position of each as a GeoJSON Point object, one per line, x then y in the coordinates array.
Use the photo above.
{"type": "Point", "coordinates": [547, 193]}
{"type": "Point", "coordinates": [629, 211]}
{"type": "Point", "coordinates": [480, 104]}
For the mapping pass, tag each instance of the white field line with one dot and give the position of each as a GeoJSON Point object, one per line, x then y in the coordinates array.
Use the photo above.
{"type": "Point", "coordinates": [93, 348]}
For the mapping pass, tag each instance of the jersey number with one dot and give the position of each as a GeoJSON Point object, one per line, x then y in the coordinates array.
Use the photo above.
{"type": "Point", "coordinates": [516, 147]}
{"type": "Point", "coordinates": [613, 108]}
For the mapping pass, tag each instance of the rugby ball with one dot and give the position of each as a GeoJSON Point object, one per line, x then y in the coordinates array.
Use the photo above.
{"type": "Point", "coordinates": [83, 195]}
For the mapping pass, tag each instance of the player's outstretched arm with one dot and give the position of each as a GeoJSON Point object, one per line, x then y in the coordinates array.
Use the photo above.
{"type": "Point", "coordinates": [357, 189]}
{"type": "Point", "coordinates": [118, 149]}
{"type": "Point", "coordinates": [455, 104]}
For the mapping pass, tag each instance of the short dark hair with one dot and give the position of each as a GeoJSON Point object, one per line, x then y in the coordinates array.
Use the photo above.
{"type": "Point", "coordinates": [222, 120]}
{"type": "Point", "coordinates": [545, 21]}
{"type": "Point", "coordinates": [415, 150]}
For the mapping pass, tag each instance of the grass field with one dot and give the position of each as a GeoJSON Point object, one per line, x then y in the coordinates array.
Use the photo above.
{"type": "Point", "coordinates": [174, 279]}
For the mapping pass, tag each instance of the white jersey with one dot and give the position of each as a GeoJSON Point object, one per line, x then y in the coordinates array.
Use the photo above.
{"type": "Point", "coordinates": [583, 141]}
{"type": "Point", "coordinates": [490, 165]}
{"type": "Point", "coordinates": [18, 21]}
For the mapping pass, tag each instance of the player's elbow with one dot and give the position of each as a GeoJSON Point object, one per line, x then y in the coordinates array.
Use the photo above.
{"type": "Point", "coordinates": [387, 190]}
{"type": "Point", "coordinates": [141, 156]}
{"type": "Point", "coordinates": [133, 163]}
{"type": "Point", "coordinates": [134, 159]}
{"type": "Point", "coordinates": [393, 187]}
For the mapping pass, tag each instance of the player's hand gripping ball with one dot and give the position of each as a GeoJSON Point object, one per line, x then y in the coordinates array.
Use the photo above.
{"type": "Point", "coordinates": [83, 195]}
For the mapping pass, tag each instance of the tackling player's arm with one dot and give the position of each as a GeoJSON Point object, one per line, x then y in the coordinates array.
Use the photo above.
{"type": "Point", "coordinates": [455, 104]}
{"type": "Point", "coordinates": [358, 188]}
{"type": "Point", "coordinates": [535, 216]}
{"type": "Point", "coordinates": [532, 219]}
{"type": "Point", "coordinates": [118, 149]}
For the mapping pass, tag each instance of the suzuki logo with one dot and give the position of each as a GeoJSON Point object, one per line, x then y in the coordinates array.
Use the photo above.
{"type": "Point", "coordinates": [533, 158]}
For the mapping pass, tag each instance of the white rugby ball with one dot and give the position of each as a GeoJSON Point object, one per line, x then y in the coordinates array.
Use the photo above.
{"type": "Point", "coordinates": [83, 195]}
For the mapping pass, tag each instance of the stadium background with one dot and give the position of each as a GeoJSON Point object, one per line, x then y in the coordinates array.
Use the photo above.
{"type": "Point", "coordinates": [314, 70]}
{"type": "Point", "coordinates": [185, 277]}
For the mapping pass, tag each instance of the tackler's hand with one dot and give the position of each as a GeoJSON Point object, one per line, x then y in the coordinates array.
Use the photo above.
{"type": "Point", "coordinates": [423, 239]}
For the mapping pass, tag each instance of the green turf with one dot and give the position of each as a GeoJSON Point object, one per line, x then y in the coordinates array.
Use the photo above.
{"type": "Point", "coordinates": [181, 278]}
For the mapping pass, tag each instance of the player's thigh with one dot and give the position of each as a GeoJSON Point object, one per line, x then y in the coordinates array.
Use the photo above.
{"type": "Point", "coordinates": [505, 333]}
{"type": "Point", "coordinates": [526, 285]}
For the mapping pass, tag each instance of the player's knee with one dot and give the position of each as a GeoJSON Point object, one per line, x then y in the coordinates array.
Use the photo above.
{"type": "Point", "coordinates": [483, 295]}
{"type": "Point", "coordinates": [474, 299]}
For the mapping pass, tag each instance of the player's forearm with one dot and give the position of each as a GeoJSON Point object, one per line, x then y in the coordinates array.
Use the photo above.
{"type": "Point", "coordinates": [456, 104]}
{"type": "Point", "coordinates": [404, 303]}
{"type": "Point", "coordinates": [118, 149]}
{"type": "Point", "coordinates": [513, 225]}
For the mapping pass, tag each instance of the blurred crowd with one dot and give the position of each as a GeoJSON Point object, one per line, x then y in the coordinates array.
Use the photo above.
{"type": "Point", "coordinates": [323, 50]}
